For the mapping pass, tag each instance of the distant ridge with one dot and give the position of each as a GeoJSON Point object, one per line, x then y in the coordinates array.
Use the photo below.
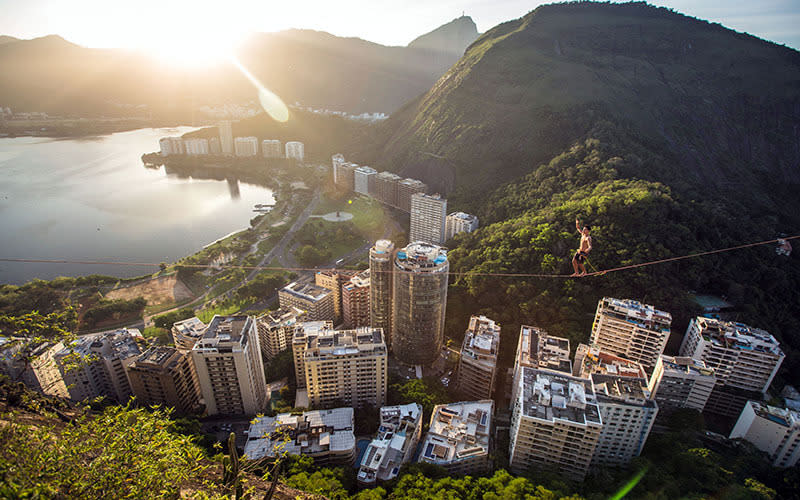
{"type": "Point", "coordinates": [453, 37]}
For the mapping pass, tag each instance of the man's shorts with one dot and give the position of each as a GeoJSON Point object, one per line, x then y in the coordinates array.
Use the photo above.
{"type": "Point", "coordinates": [580, 256]}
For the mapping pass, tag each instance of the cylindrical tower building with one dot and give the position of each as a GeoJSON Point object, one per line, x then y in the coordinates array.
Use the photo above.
{"type": "Point", "coordinates": [380, 291]}
{"type": "Point", "coordinates": [418, 302]}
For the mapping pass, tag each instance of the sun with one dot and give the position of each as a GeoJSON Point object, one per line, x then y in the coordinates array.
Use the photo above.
{"type": "Point", "coordinates": [188, 47]}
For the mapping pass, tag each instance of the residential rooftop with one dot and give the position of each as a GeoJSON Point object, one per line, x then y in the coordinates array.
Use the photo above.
{"type": "Point", "coordinates": [463, 216]}
{"type": "Point", "coordinates": [284, 316]}
{"type": "Point", "coordinates": [361, 279]}
{"type": "Point", "coordinates": [224, 331]}
{"type": "Point", "coordinates": [541, 350]}
{"type": "Point", "coordinates": [782, 416]}
{"type": "Point", "coordinates": [191, 327]}
{"type": "Point", "coordinates": [113, 344]}
{"type": "Point", "coordinates": [617, 388]}
{"type": "Point", "coordinates": [643, 315]}
{"type": "Point", "coordinates": [386, 453]}
{"type": "Point", "coordinates": [420, 255]}
{"type": "Point", "coordinates": [458, 431]}
{"type": "Point", "coordinates": [591, 359]}
{"type": "Point", "coordinates": [684, 365]}
{"type": "Point", "coordinates": [551, 396]}
{"type": "Point", "coordinates": [160, 358]}
{"type": "Point", "coordinates": [308, 433]}
{"type": "Point", "coordinates": [733, 335]}
{"type": "Point", "coordinates": [306, 291]}
{"type": "Point", "coordinates": [482, 340]}
{"type": "Point", "coordinates": [327, 343]}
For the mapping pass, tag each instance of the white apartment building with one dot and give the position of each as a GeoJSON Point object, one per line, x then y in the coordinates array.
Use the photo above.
{"type": "Point", "coordinates": [741, 356]}
{"type": "Point", "coordinates": [555, 423]}
{"type": "Point", "coordinates": [775, 431]}
{"type": "Point", "coordinates": [477, 366]}
{"type": "Point", "coordinates": [316, 301]}
{"type": "Point", "coordinates": [271, 148]}
{"type": "Point", "coordinates": [681, 382]}
{"type": "Point", "coordinates": [399, 433]}
{"type": "Point", "coordinates": [246, 147]}
{"type": "Point", "coordinates": [304, 331]}
{"type": "Point", "coordinates": [337, 161]}
{"type": "Point", "coordinates": [34, 364]}
{"type": "Point", "coordinates": [195, 147]}
{"type": "Point", "coordinates": [364, 180]}
{"type": "Point", "coordinates": [94, 365]}
{"type": "Point", "coordinates": [226, 138]}
{"type": "Point", "coordinates": [276, 329]}
{"type": "Point", "coordinates": [214, 147]}
{"type": "Point", "coordinates": [171, 146]}
{"type": "Point", "coordinates": [324, 435]}
{"type": "Point", "coordinates": [343, 366]}
{"type": "Point", "coordinates": [630, 329]}
{"type": "Point", "coordinates": [537, 349]}
{"type": "Point", "coordinates": [186, 332]}
{"type": "Point", "coordinates": [229, 368]}
{"type": "Point", "coordinates": [458, 437]}
{"type": "Point", "coordinates": [459, 222]}
{"type": "Point", "coordinates": [295, 150]}
{"type": "Point", "coordinates": [428, 213]}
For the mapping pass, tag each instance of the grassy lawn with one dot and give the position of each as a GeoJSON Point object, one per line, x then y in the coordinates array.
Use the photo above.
{"type": "Point", "coordinates": [368, 214]}
{"type": "Point", "coordinates": [162, 334]}
{"type": "Point", "coordinates": [223, 309]}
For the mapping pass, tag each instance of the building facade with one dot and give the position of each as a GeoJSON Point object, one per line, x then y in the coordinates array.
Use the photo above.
{"type": "Point", "coordinates": [246, 147]}
{"type": "Point", "coordinates": [405, 189]}
{"type": "Point", "coordinates": [226, 138]}
{"type": "Point", "coordinates": [316, 301]}
{"type": "Point", "coordinates": [186, 332]}
{"type": "Point", "coordinates": [165, 376]}
{"type": "Point", "coordinates": [381, 273]}
{"type": "Point", "coordinates": [386, 186]}
{"type": "Point", "coordinates": [681, 382]}
{"type": "Point", "coordinates": [773, 430]}
{"type": "Point", "coordinates": [458, 438]}
{"type": "Point", "coordinates": [364, 180]}
{"type": "Point", "coordinates": [195, 147]}
{"type": "Point", "coordinates": [538, 349]}
{"type": "Point", "coordinates": [33, 363]}
{"type": "Point", "coordinates": [399, 432]}
{"type": "Point", "coordinates": [477, 365]}
{"type": "Point", "coordinates": [459, 222]}
{"type": "Point", "coordinates": [630, 329]}
{"type": "Point", "coordinates": [271, 148]}
{"type": "Point", "coordinates": [419, 300]}
{"type": "Point", "coordinates": [343, 367]}
{"type": "Point", "coordinates": [276, 330]}
{"type": "Point", "coordinates": [428, 213]}
{"type": "Point", "coordinates": [302, 332]}
{"type": "Point", "coordinates": [229, 368]}
{"type": "Point", "coordinates": [333, 279]}
{"type": "Point", "coordinates": [555, 424]}
{"type": "Point", "coordinates": [355, 301]}
{"type": "Point", "coordinates": [295, 150]}
{"type": "Point", "coordinates": [337, 161]}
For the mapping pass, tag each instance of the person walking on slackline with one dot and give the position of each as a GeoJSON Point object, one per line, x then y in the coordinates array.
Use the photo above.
{"type": "Point", "coordinates": [583, 252]}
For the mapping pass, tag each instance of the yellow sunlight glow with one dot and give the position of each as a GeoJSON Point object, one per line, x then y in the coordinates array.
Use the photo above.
{"type": "Point", "coordinates": [271, 103]}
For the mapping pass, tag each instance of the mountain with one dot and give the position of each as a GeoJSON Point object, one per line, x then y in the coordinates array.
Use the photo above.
{"type": "Point", "coordinates": [453, 37]}
{"type": "Point", "coordinates": [310, 67]}
{"type": "Point", "coordinates": [669, 135]}
{"type": "Point", "coordinates": [7, 39]}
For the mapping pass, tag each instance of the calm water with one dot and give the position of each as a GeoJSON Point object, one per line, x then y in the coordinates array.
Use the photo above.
{"type": "Point", "coordinates": [92, 199]}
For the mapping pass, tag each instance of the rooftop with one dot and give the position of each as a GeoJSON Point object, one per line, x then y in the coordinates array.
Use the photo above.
{"type": "Point", "coordinates": [308, 433]}
{"type": "Point", "coordinates": [684, 365]}
{"type": "Point", "coordinates": [366, 170]}
{"type": "Point", "coordinates": [643, 315]}
{"type": "Point", "coordinates": [327, 342]}
{"type": "Point", "coordinates": [420, 255]}
{"type": "Point", "coordinates": [629, 390]}
{"type": "Point", "coordinates": [781, 416]}
{"type": "Point", "coordinates": [115, 344]}
{"type": "Point", "coordinates": [382, 246]}
{"type": "Point", "coordinates": [732, 335]}
{"type": "Point", "coordinates": [157, 358]}
{"type": "Point", "coordinates": [360, 280]}
{"type": "Point", "coordinates": [458, 431]}
{"type": "Point", "coordinates": [385, 454]}
{"type": "Point", "coordinates": [225, 331]}
{"type": "Point", "coordinates": [551, 396]}
{"type": "Point", "coordinates": [192, 327]}
{"type": "Point", "coordinates": [463, 216]}
{"type": "Point", "coordinates": [541, 350]}
{"type": "Point", "coordinates": [481, 340]}
{"type": "Point", "coordinates": [306, 291]}
{"type": "Point", "coordinates": [590, 359]}
{"type": "Point", "coordinates": [284, 316]}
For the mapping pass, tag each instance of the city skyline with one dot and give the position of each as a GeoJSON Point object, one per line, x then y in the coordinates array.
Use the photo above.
{"type": "Point", "coordinates": [109, 25]}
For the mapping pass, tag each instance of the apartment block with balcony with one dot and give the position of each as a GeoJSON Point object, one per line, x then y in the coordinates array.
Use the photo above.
{"type": "Point", "coordinates": [458, 438]}
{"type": "Point", "coordinates": [681, 382]}
{"type": "Point", "coordinates": [628, 328]}
{"type": "Point", "coordinates": [319, 303]}
{"type": "Point", "coordinates": [355, 300]}
{"type": "Point", "coordinates": [230, 371]}
{"type": "Point", "coordinates": [364, 180]}
{"type": "Point", "coordinates": [245, 147]}
{"type": "Point", "coordinates": [428, 213]}
{"type": "Point", "coordinates": [302, 332]}
{"type": "Point", "coordinates": [386, 187]}
{"type": "Point", "coordinates": [405, 189]}
{"type": "Point", "coordinates": [477, 366]}
{"type": "Point", "coordinates": [333, 280]}
{"type": "Point", "coordinates": [165, 376]}
{"type": "Point", "coordinates": [773, 430]}
{"type": "Point", "coordinates": [276, 329]}
{"type": "Point", "coordinates": [459, 222]}
{"type": "Point", "coordinates": [186, 332]}
{"type": "Point", "coordinates": [555, 424]}
{"type": "Point", "coordinates": [538, 349]}
{"type": "Point", "coordinates": [33, 363]}
{"type": "Point", "coordinates": [271, 148]}
{"type": "Point", "coordinates": [399, 432]}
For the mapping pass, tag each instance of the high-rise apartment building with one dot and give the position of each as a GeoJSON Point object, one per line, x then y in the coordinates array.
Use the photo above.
{"type": "Point", "coordinates": [333, 279]}
{"type": "Point", "coordinates": [336, 161]}
{"type": "Point", "coordinates": [386, 186]}
{"type": "Point", "coordinates": [381, 262]}
{"type": "Point", "coordinates": [399, 431]}
{"type": "Point", "coordinates": [345, 175]}
{"type": "Point", "coordinates": [229, 368]}
{"type": "Point", "coordinates": [186, 332]}
{"type": "Point", "coordinates": [165, 376]}
{"type": "Point", "coordinates": [226, 137]}
{"type": "Point", "coordinates": [364, 180]}
{"type": "Point", "coordinates": [33, 363]}
{"type": "Point", "coordinates": [345, 367]}
{"type": "Point", "coordinates": [741, 356]}
{"type": "Point", "coordinates": [428, 213]}
{"type": "Point", "coordinates": [324, 435]}
{"type": "Point", "coordinates": [195, 147]}
{"type": "Point", "coordinates": [626, 406]}
{"type": "Point", "coordinates": [405, 189]}
{"type": "Point", "coordinates": [555, 424]}
{"type": "Point", "coordinates": [458, 438]}
{"type": "Point", "coordinates": [295, 150]}
{"type": "Point", "coordinates": [214, 147]}
{"type": "Point", "coordinates": [630, 329]}
{"type": "Point", "coordinates": [773, 430]}
{"type": "Point", "coordinates": [302, 333]}
{"type": "Point", "coordinates": [355, 301]}
{"type": "Point", "coordinates": [459, 222]}
{"type": "Point", "coordinates": [276, 329]}
{"type": "Point", "coordinates": [316, 301]}
{"type": "Point", "coordinates": [94, 365]}
{"type": "Point", "coordinates": [171, 146]}
{"type": "Point", "coordinates": [477, 366]}
{"type": "Point", "coordinates": [537, 349]}
{"type": "Point", "coordinates": [681, 382]}
{"type": "Point", "coordinates": [246, 147]}
{"type": "Point", "coordinates": [271, 148]}
{"type": "Point", "coordinates": [419, 299]}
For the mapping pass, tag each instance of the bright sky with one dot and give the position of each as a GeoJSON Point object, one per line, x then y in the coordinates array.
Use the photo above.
{"type": "Point", "coordinates": [218, 24]}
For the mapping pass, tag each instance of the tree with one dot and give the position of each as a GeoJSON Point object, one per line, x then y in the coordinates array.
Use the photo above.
{"type": "Point", "coordinates": [163, 266]}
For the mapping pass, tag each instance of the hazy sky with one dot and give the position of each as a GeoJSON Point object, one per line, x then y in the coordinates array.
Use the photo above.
{"type": "Point", "coordinates": [143, 23]}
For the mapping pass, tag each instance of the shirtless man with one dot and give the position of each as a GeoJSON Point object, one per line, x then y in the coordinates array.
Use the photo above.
{"type": "Point", "coordinates": [586, 247]}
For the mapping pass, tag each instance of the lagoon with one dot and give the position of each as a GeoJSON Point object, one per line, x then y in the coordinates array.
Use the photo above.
{"type": "Point", "coordinates": [92, 199]}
